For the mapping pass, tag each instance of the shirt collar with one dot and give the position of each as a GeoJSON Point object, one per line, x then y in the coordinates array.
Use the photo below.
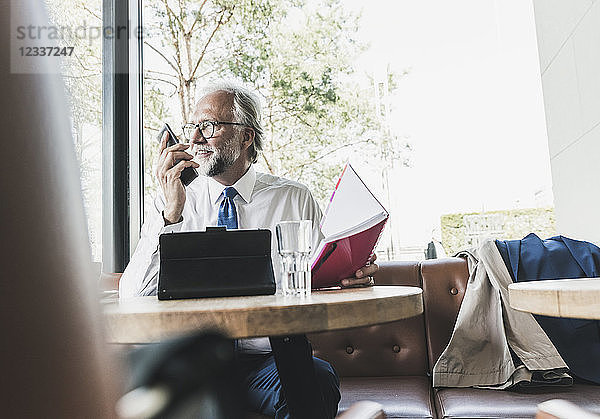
{"type": "Point", "coordinates": [244, 186]}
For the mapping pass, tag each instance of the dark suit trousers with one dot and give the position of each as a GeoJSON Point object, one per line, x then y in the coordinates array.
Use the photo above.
{"type": "Point", "coordinates": [289, 382]}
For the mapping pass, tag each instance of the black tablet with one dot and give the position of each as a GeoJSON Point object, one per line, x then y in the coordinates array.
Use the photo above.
{"type": "Point", "coordinates": [215, 263]}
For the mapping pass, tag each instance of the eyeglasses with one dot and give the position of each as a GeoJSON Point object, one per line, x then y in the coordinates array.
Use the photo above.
{"type": "Point", "coordinates": [207, 129]}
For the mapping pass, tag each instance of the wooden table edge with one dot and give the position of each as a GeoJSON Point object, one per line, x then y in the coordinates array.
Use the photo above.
{"type": "Point", "coordinates": [337, 316]}
{"type": "Point", "coordinates": [525, 296]}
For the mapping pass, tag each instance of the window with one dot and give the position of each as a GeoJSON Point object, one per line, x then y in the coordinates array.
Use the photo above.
{"type": "Point", "coordinates": [102, 80]}
{"type": "Point", "coordinates": [79, 24]}
{"type": "Point", "coordinates": [470, 107]}
{"type": "Point", "coordinates": [317, 109]}
{"type": "Point", "coordinates": [416, 101]}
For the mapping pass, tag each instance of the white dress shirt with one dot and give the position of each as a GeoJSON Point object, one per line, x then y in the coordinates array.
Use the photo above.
{"type": "Point", "coordinates": [262, 201]}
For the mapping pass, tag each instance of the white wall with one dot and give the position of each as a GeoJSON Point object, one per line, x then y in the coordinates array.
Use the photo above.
{"type": "Point", "coordinates": [568, 34]}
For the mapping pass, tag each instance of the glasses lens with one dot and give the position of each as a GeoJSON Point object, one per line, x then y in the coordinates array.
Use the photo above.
{"type": "Point", "coordinates": [207, 128]}
{"type": "Point", "coordinates": [188, 131]}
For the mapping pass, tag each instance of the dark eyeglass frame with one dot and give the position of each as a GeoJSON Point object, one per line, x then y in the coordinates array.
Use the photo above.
{"type": "Point", "coordinates": [204, 124]}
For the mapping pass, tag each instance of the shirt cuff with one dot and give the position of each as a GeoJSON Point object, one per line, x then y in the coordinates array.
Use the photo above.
{"type": "Point", "coordinates": [171, 228]}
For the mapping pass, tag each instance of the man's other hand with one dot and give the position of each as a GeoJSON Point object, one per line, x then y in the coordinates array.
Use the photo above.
{"type": "Point", "coordinates": [364, 276]}
{"type": "Point", "coordinates": [169, 173]}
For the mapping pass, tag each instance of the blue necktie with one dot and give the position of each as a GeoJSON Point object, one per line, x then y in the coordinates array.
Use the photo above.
{"type": "Point", "coordinates": [227, 216]}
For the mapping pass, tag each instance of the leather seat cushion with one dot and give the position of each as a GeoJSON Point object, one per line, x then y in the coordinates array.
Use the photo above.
{"type": "Point", "coordinates": [401, 397]}
{"type": "Point", "coordinates": [477, 403]}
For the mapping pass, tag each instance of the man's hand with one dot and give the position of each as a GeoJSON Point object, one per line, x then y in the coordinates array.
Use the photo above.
{"type": "Point", "coordinates": [363, 277]}
{"type": "Point", "coordinates": [169, 174]}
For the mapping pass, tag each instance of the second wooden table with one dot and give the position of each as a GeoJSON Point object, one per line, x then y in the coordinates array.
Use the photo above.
{"type": "Point", "coordinates": [576, 298]}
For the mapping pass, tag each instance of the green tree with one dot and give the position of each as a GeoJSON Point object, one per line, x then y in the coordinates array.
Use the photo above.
{"type": "Point", "coordinates": [297, 54]}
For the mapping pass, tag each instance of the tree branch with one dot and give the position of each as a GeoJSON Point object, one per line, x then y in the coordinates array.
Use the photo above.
{"type": "Point", "coordinates": [92, 13]}
{"type": "Point", "coordinates": [81, 63]}
{"type": "Point", "coordinates": [163, 56]}
{"type": "Point", "coordinates": [197, 17]}
{"type": "Point", "coordinates": [207, 73]}
{"type": "Point", "coordinates": [164, 81]}
{"type": "Point", "coordinates": [66, 76]}
{"type": "Point", "coordinates": [295, 114]}
{"type": "Point", "coordinates": [170, 11]}
{"type": "Point", "coordinates": [329, 152]}
{"type": "Point", "coordinates": [267, 163]}
{"type": "Point", "coordinates": [174, 37]}
{"type": "Point", "coordinates": [219, 23]}
{"type": "Point", "coordinates": [151, 128]}
{"type": "Point", "coordinates": [162, 73]}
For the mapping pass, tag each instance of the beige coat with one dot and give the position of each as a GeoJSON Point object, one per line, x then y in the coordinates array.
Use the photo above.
{"type": "Point", "coordinates": [478, 352]}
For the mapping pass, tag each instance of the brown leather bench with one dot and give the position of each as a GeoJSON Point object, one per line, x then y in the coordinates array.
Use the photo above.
{"type": "Point", "coordinates": [391, 363]}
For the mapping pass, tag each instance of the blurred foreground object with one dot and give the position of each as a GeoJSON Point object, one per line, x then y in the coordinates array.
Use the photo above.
{"type": "Point", "coordinates": [54, 359]}
{"type": "Point", "coordinates": [193, 376]}
{"type": "Point", "coordinates": [562, 409]}
{"type": "Point", "coordinates": [364, 409]}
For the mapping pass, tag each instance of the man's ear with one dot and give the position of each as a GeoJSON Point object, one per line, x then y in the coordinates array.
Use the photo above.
{"type": "Point", "coordinates": [248, 137]}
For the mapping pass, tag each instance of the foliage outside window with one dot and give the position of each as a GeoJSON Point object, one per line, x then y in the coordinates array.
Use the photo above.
{"type": "Point", "coordinates": [297, 54]}
{"type": "Point", "coordinates": [82, 75]}
{"type": "Point", "coordinates": [461, 231]}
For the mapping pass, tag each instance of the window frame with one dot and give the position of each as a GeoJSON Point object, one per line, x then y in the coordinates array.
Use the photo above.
{"type": "Point", "coordinates": [122, 160]}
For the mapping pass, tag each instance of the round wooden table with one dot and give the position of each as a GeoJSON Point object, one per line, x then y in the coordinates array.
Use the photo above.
{"type": "Point", "coordinates": [575, 298]}
{"type": "Point", "coordinates": [147, 319]}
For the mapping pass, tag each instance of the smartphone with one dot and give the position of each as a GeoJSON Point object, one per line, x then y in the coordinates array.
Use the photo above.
{"type": "Point", "coordinates": [189, 173]}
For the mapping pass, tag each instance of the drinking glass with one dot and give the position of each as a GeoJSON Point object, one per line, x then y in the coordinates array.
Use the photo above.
{"type": "Point", "coordinates": [294, 243]}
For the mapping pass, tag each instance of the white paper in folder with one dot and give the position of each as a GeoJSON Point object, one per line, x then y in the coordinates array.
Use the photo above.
{"type": "Point", "coordinates": [351, 204]}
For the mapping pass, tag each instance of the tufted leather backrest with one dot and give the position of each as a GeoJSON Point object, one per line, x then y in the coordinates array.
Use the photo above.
{"type": "Point", "coordinates": [396, 348]}
{"type": "Point", "coordinates": [444, 283]}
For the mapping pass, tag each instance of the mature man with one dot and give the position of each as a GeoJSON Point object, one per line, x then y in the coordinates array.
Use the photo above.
{"type": "Point", "coordinates": [223, 141]}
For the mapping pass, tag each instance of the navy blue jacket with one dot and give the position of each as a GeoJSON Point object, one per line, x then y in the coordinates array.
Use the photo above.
{"type": "Point", "coordinates": [532, 259]}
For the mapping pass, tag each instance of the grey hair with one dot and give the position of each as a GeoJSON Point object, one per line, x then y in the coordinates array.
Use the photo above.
{"type": "Point", "coordinates": [246, 110]}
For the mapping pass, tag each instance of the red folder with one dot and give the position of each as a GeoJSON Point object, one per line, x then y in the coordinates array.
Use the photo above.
{"type": "Point", "coordinates": [352, 224]}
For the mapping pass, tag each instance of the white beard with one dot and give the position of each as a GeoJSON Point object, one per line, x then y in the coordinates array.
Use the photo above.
{"type": "Point", "coordinates": [220, 159]}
